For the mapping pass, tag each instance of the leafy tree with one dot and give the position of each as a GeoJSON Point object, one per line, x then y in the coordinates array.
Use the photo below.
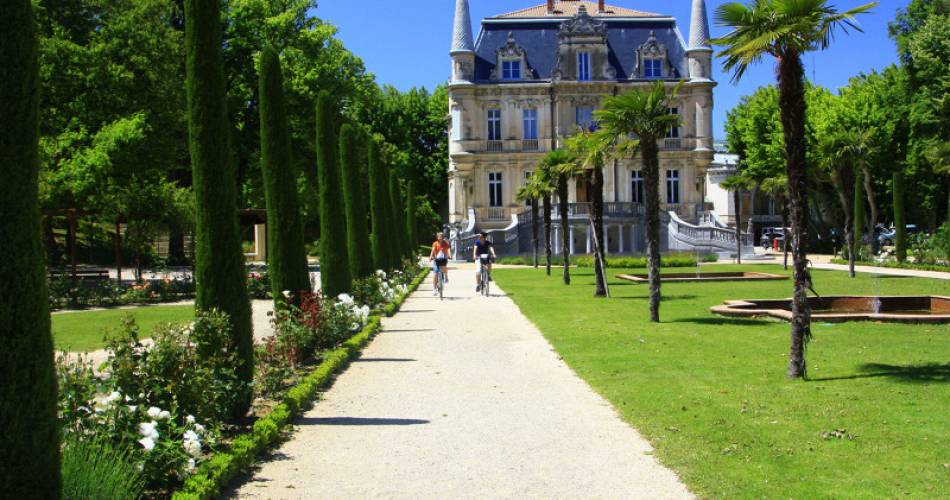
{"type": "Point", "coordinates": [786, 30]}
{"type": "Point", "coordinates": [286, 255]}
{"type": "Point", "coordinates": [544, 181]}
{"type": "Point", "coordinates": [645, 114]}
{"type": "Point", "coordinates": [219, 261]}
{"type": "Point", "coordinates": [335, 272]}
{"type": "Point", "coordinates": [564, 166]}
{"type": "Point", "coordinates": [842, 176]}
{"type": "Point", "coordinates": [737, 184]}
{"type": "Point", "coordinates": [29, 443]}
{"type": "Point", "coordinates": [398, 219]}
{"type": "Point", "coordinates": [357, 224]}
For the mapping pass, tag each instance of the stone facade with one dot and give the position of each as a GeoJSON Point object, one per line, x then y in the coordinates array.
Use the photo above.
{"type": "Point", "coordinates": [528, 83]}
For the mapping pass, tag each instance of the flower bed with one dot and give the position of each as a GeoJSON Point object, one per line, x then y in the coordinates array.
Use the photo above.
{"type": "Point", "coordinates": [165, 409]}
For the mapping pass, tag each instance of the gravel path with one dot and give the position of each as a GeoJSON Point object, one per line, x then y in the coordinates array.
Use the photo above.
{"type": "Point", "coordinates": [461, 398]}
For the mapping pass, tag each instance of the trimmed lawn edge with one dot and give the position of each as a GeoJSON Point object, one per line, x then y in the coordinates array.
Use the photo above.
{"type": "Point", "coordinates": [215, 474]}
{"type": "Point", "coordinates": [896, 265]}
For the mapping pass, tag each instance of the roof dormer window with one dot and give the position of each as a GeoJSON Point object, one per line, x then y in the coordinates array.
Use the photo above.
{"type": "Point", "coordinates": [511, 70]}
{"type": "Point", "coordinates": [583, 66]}
{"type": "Point", "coordinates": [653, 68]}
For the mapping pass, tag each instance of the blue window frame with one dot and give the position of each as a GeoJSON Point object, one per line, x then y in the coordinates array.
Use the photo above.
{"type": "Point", "coordinates": [584, 117]}
{"type": "Point", "coordinates": [653, 68]}
{"type": "Point", "coordinates": [674, 131]}
{"type": "Point", "coordinates": [494, 124]}
{"type": "Point", "coordinates": [583, 66]}
{"type": "Point", "coordinates": [511, 70]}
{"type": "Point", "coordinates": [530, 116]}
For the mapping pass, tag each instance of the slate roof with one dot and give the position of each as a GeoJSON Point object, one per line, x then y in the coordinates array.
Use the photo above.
{"type": "Point", "coordinates": [540, 41]}
{"type": "Point", "coordinates": [568, 8]}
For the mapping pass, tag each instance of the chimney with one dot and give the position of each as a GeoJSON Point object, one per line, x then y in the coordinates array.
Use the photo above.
{"type": "Point", "coordinates": [600, 7]}
{"type": "Point", "coordinates": [550, 6]}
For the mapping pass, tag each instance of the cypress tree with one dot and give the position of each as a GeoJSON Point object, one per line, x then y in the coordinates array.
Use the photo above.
{"type": "Point", "coordinates": [286, 255]}
{"type": "Point", "coordinates": [398, 221]}
{"type": "Point", "coordinates": [412, 227]}
{"type": "Point", "coordinates": [900, 227]}
{"type": "Point", "coordinates": [219, 261]}
{"type": "Point", "coordinates": [360, 253]}
{"type": "Point", "coordinates": [334, 263]}
{"type": "Point", "coordinates": [378, 196]}
{"type": "Point", "coordinates": [29, 440]}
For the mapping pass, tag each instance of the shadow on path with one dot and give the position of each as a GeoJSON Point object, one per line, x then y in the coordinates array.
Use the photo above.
{"type": "Point", "coordinates": [932, 372]}
{"type": "Point", "coordinates": [384, 360]}
{"type": "Point", "coordinates": [359, 421]}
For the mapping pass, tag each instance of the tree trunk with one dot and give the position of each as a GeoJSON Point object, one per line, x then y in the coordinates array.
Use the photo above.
{"type": "Point", "coordinates": [52, 249]}
{"type": "Point", "coordinates": [792, 112]}
{"type": "Point", "coordinates": [651, 178]}
{"type": "Point", "coordinates": [738, 201]}
{"type": "Point", "coordinates": [860, 217]}
{"type": "Point", "coordinates": [534, 230]}
{"type": "Point", "coordinates": [844, 185]}
{"type": "Point", "coordinates": [900, 227]}
{"type": "Point", "coordinates": [546, 207]}
{"type": "Point", "coordinates": [872, 221]}
{"type": "Point", "coordinates": [565, 228]}
{"type": "Point", "coordinates": [785, 235]}
{"type": "Point", "coordinates": [597, 186]}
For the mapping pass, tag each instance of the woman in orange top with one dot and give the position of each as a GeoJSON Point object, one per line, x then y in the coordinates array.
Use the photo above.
{"type": "Point", "coordinates": [440, 260]}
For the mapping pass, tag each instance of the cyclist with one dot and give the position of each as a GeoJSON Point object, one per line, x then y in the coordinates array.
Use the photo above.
{"type": "Point", "coordinates": [440, 260]}
{"type": "Point", "coordinates": [482, 246]}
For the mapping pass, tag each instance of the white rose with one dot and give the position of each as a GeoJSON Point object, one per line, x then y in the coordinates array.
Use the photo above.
{"type": "Point", "coordinates": [190, 419]}
{"type": "Point", "coordinates": [147, 443]}
{"type": "Point", "coordinates": [191, 465]}
{"type": "Point", "coordinates": [154, 412]}
{"type": "Point", "coordinates": [199, 428]}
{"type": "Point", "coordinates": [164, 415]}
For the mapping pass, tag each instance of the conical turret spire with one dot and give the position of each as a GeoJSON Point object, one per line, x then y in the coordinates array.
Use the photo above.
{"type": "Point", "coordinates": [462, 40]}
{"type": "Point", "coordinates": [699, 26]}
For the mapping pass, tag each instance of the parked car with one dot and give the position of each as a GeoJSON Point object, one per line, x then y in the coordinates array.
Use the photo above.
{"type": "Point", "coordinates": [887, 237]}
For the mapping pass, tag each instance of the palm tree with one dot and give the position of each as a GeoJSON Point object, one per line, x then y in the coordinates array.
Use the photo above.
{"type": "Point", "coordinates": [646, 115]}
{"type": "Point", "coordinates": [531, 193]}
{"type": "Point", "coordinates": [786, 29]}
{"type": "Point", "coordinates": [736, 184]}
{"type": "Point", "coordinates": [856, 148]}
{"type": "Point", "coordinates": [544, 179]}
{"type": "Point", "coordinates": [560, 165]}
{"type": "Point", "coordinates": [842, 177]}
{"type": "Point", "coordinates": [592, 150]}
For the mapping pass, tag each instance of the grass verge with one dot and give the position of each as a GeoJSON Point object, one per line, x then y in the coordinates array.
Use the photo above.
{"type": "Point", "coordinates": [215, 474]}
{"type": "Point", "coordinates": [711, 396]}
{"type": "Point", "coordinates": [85, 331]}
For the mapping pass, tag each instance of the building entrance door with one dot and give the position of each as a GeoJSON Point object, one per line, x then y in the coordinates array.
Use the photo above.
{"type": "Point", "coordinates": [583, 194]}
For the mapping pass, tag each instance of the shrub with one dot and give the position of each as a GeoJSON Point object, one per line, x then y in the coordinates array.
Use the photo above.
{"type": "Point", "coordinates": [334, 259]}
{"type": "Point", "coordinates": [95, 468]}
{"type": "Point", "coordinates": [259, 283]}
{"type": "Point", "coordinates": [189, 367]}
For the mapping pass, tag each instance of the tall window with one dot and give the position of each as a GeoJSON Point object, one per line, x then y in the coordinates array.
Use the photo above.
{"type": "Point", "coordinates": [530, 116]}
{"type": "Point", "coordinates": [652, 68]}
{"type": "Point", "coordinates": [636, 186]}
{"type": "Point", "coordinates": [511, 70]}
{"type": "Point", "coordinates": [583, 66]}
{"type": "Point", "coordinates": [674, 131]}
{"type": "Point", "coordinates": [584, 117]}
{"type": "Point", "coordinates": [456, 124]}
{"type": "Point", "coordinates": [494, 189]}
{"type": "Point", "coordinates": [673, 187]}
{"type": "Point", "coordinates": [494, 124]}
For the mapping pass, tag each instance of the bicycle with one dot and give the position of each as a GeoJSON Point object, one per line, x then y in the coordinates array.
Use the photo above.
{"type": "Point", "coordinates": [484, 276]}
{"type": "Point", "coordinates": [439, 281]}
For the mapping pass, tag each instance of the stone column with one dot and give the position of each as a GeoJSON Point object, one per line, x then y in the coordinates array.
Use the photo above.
{"type": "Point", "coordinates": [588, 238]}
{"type": "Point", "coordinates": [620, 237]}
{"type": "Point", "coordinates": [570, 238]}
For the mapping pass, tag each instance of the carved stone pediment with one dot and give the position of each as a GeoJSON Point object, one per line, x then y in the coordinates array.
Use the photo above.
{"type": "Point", "coordinates": [652, 47]}
{"type": "Point", "coordinates": [582, 24]}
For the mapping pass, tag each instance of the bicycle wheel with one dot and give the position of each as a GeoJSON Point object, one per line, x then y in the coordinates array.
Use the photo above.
{"type": "Point", "coordinates": [441, 284]}
{"type": "Point", "coordinates": [485, 283]}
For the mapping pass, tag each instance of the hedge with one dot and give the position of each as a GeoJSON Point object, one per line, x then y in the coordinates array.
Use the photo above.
{"type": "Point", "coordinates": [215, 474]}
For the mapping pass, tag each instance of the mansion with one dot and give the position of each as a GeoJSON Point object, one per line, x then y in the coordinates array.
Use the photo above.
{"type": "Point", "coordinates": [532, 77]}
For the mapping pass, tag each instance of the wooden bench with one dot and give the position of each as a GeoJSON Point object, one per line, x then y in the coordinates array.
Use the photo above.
{"type": "Point", "coordinates": [80, 273]}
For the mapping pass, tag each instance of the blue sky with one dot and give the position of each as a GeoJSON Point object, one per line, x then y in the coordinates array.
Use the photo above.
{"type": "Point", "coordinates": [405, 43]}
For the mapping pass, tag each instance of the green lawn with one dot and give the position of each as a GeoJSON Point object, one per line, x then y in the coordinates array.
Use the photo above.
{"type": "Point", "coordinates": [711, 396]}
{"type": "Point", "coordinates": [85, 331]}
